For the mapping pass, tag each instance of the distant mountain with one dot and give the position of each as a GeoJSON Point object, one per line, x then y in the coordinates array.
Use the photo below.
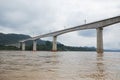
{"type": "Point", "coordinates": [108, 50]}
{"type": "Point", "coordinates": [10, 42]}
{"type": "Point", "coordinates": [6, 39]}
{"type": "Point", "coordinates": [11, 39]}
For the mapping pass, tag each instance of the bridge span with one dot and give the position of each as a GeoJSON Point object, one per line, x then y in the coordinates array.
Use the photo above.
{"type": "Point", "coordinates": [98, 25]}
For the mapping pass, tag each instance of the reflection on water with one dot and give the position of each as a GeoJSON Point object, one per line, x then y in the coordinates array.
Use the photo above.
{"type": "Point", "coordinates": [100, 73]}
{"type": "Point", "coordinates": [26, 65]}
{"type": "Point", "coordinates": [101, 67]}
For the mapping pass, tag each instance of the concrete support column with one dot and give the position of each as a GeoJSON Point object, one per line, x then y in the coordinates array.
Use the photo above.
{"type": "Point", "coordinates": [54, 48]}
{"type": "Point", "coordinates": [18, 45]}
{"type": "Point", "coordinates": [23, 46]}
{"type": "Point", "coordinates": [100, 40]}
{"type": "Point", "coordinates": [34, 45]}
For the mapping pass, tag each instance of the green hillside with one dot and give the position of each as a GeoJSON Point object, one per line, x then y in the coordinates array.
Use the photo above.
{"type": "Point", "coordinates": [7, 41]}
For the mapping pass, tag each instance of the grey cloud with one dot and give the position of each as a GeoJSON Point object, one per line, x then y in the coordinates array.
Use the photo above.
{"type": "Point", "coordinates": [75, 19]}
{"type": "Point", "coordinates": [11, 16]}
{"type": "Point", "coordinates": [17, 14]}
{"type": "Point", "coordinates": [87, 33]}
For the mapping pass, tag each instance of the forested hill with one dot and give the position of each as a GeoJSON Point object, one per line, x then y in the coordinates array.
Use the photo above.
{"type": "Point", "coordinates": [8, 41]}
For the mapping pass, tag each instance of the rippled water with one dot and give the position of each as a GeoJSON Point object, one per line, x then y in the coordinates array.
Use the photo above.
{"type": "Point", "coordinates": [28, 65]}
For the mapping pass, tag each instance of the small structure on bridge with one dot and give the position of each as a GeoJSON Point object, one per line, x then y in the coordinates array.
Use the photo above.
{"type": "Point", "coordinates": [98, 25]}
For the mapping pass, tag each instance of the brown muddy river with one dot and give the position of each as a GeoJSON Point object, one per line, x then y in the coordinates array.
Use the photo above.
{"type": "Point", "coordinates": [28, 65]}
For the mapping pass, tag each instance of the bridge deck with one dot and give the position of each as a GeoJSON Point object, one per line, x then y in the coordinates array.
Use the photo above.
{"type": "Point", "coordinates": [93, 25]}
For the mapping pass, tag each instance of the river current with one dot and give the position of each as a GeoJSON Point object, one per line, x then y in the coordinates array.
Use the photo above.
{"type": "Point", "coordinates": [43, 65]}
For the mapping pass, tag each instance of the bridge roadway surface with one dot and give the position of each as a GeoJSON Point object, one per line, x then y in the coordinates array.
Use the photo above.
{"type": "Point", "coordinates": [98, 25]}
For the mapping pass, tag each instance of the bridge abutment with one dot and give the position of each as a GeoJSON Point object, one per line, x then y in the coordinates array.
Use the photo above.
{"type": "Point", "coordinates": [100, 40]}
{"type": "Point", "coordinates": [54, 47]}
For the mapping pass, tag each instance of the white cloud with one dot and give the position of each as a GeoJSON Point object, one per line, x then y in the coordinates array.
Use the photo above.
{"type": "Point", "coordinates": [112, 37]}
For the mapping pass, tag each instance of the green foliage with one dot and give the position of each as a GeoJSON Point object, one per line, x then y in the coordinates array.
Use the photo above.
{"type": "Point", "coordinates": [60, 47]}
{"type": "Point", "coordinates": [7, 39]}
{"type": "Point", "coordinates": [8, 48]}
{"type": "Point", "coordinates": [48, 47]}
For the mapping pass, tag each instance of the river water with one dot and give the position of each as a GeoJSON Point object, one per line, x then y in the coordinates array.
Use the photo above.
{"type": "Point", "coordinates": [40, 65]}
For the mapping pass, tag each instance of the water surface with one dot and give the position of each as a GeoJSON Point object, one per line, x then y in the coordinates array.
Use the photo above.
{"type": "Point", "coordinates": [28, 65]}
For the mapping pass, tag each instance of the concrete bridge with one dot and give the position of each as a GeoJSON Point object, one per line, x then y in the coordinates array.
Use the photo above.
{"type": "Point", "coordinates": [98, 25]}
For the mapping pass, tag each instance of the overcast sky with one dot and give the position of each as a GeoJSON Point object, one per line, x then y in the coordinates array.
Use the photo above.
{"type": "Point", "coordinates": [36, 17]}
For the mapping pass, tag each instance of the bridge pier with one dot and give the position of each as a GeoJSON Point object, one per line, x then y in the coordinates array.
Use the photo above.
{"type": "Point", "coordinates": [23, 46]}
{"type": "Point", "coordinates": [100, 40]}
{"type": "Point", "coordinates": [54, 47]}
{"type": "Point", "coordinates": [34, 45]}
{"type": "Point", "coordinates": [18, 45]}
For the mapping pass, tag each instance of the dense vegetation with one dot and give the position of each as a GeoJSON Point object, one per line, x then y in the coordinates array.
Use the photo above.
{"type": "Point", "coordinates": [7, 39]}
{"type": "Point", "coordinates": [8, 48]}
{"type": "Point", "coordinates": [60, 47]}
